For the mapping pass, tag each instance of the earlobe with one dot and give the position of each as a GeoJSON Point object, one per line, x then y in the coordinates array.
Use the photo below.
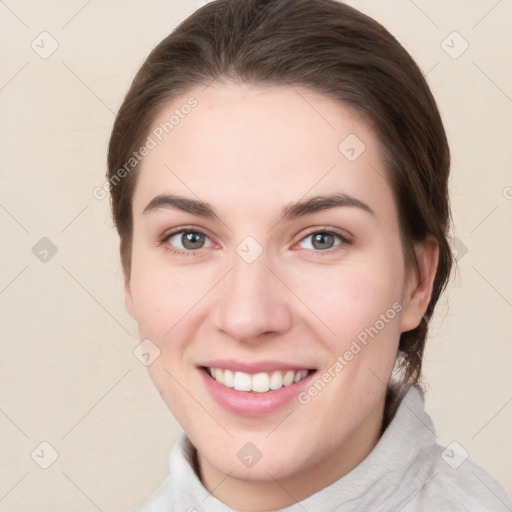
{"type": "Point", "coordinates": [128, 298]}
{"type": "Point", "coordinates": [420, 284]}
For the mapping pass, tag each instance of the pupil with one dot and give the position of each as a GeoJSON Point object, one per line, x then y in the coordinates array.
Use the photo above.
{"type": "Point", "coordinates": [323, 241]}
{"type": "Point", "coordinates": [192, 240]}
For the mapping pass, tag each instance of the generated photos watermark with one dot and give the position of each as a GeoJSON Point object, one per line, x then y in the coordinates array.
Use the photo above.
{"type": "Point", "coordinates": [156, 136]}
{"type": "Point", "coordinates": [356, 346]}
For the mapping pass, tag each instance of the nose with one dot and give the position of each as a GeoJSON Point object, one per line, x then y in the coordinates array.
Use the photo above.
{"type": "Point", "coordinates": [252, 302]}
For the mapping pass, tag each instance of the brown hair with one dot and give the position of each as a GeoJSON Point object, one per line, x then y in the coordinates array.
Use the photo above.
{"type": "Point", "coordinates": [330, 48]}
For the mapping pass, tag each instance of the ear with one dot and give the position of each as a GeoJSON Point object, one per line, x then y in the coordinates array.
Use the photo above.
{"type": "Point", "coordinates": [419, 285]}
{"type": "Point", "coordinates": [128, 298]}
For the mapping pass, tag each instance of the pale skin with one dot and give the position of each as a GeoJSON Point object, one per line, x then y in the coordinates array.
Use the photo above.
{"type": "Point", "coordinates": [249, 152]}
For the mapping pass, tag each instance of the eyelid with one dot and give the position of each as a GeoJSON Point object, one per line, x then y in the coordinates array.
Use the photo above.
{"type": "Point", "coordinates": [345, 240]}
{"type": "Point", "coordinates": [164, 238]}
{"type": "Point", "coordinates": [344, 235]}
{"type": "Point", "coordinates": [173, 231]}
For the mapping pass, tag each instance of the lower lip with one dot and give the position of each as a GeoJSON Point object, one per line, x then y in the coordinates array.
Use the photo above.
{"type": "Point", "coordinates": [251, 403]}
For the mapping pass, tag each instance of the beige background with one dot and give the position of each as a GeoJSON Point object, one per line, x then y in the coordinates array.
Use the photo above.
{"type": "Point", "coordinates": [68, 373]}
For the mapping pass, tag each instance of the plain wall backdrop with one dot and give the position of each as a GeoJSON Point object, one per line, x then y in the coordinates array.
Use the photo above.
{"type": "Point", "coordinates": [69, 377]}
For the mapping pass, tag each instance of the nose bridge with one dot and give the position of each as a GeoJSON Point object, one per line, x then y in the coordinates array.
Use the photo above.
{"type": "Point", "coordinates": [251, 301]}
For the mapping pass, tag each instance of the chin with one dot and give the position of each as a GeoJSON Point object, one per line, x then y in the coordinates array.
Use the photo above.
{"type": "Point", "coordinates": [257, 458]}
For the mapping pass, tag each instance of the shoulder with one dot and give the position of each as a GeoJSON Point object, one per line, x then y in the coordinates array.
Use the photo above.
{"type": "Point", "coordinates": [466, 487]}
{"type": "Point", "coordinates": [431, 476]}
{"type": "Point", "coordinates": [453, 482]}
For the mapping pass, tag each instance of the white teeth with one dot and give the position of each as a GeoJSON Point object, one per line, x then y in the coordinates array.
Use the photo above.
{"type": "Point", "coordinates": [229, 379]}
{"type": "Point", "coordinates": [259, 382]}
{"type": "Point", "coordinates": [300, 375]}
{"type": "Point", "coordinates": [242, 381]}
{"type": "Point", "coordinates": [276, 380]}
{"type": "Point", "coordinates": [288, 378]}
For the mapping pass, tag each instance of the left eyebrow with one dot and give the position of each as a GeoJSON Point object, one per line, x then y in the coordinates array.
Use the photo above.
{"type": "Point", "coordinates": [324, 202]}
{"type": "Point", "coordinates": [292, 211]}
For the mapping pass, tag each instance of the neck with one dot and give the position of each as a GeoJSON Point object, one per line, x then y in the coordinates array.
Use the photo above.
{"type": "Point", "coordinates": [273, 494]}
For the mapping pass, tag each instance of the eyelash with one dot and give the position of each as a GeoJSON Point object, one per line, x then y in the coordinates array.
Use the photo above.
{"type": "Point", "coordinates": [344, 240]}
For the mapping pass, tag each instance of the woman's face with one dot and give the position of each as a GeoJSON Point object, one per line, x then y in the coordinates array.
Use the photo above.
{"type": "Point", "coordinates": [266, 249]}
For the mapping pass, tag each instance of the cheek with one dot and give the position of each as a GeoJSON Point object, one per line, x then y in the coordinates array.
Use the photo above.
{"type": "Point", "coordinates": [167, 303]}
{"type": "Point", "coordinates": [349, 299]}
{"type": "Point", "coordinates": [152, 301]}
{"type": "Point", "coordinates": [163, 296]}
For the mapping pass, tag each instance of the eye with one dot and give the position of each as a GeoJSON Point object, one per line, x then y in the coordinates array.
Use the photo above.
{"type": "Point", "coordinates": [321, 240]}
{"type": "Point", "coordinates": [188, 240]}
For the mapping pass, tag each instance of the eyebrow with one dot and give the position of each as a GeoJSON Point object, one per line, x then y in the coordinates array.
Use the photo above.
{"type": "Point", "coordinates": [291, 211]}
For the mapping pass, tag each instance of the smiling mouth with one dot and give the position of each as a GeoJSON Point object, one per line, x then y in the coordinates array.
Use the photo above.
{"type": "Point", "coordinates": [259, 382]}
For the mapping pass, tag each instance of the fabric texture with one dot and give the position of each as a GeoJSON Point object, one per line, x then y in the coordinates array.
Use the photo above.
{"type": "Point", "coordinates": [406, 471]}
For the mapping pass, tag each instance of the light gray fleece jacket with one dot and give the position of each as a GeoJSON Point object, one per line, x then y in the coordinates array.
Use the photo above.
{"type": "Point", "coordinates": [406, 471]}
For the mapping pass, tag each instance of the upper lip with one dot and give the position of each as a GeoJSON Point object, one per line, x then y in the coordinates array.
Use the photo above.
{"type": "Point", "coordinates": [253, 366]}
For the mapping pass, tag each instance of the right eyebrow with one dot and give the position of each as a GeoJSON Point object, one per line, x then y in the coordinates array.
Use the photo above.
{"type": "Point", "coordinates": [174, 202]}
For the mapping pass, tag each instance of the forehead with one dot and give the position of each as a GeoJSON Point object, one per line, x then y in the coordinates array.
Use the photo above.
{"type": "Point", "coordinates": [240, 144]}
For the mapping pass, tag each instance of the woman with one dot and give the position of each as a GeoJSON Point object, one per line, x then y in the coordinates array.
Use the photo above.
{"type": "Point", "coordinates": [278, 174]}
